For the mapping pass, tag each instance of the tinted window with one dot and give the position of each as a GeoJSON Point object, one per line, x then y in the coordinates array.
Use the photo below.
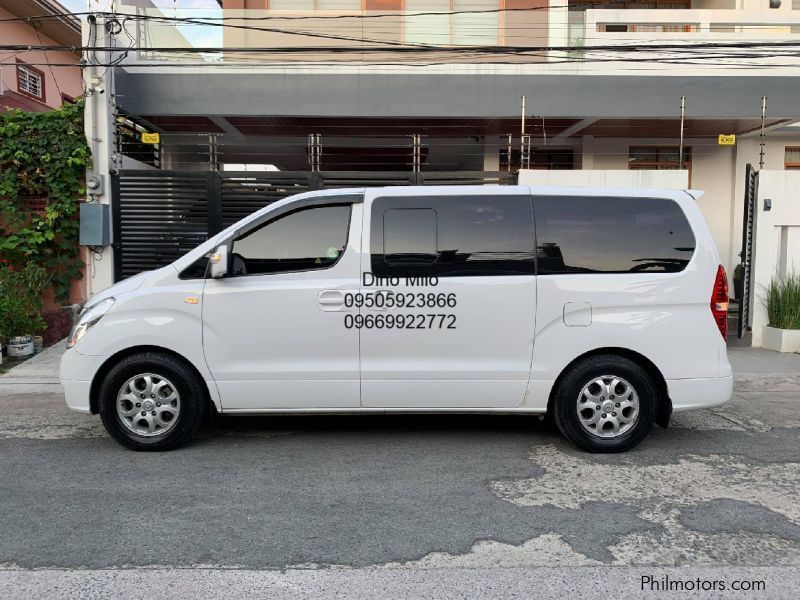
{"type": "Point", "coordinates": [611, 235]}
{"type": "Point", "coordinates": [451, 236]}
{"type": "Point", "coordinates": [197, 270]}
{"type": "Point", "coordinates": [313, 238]}
{"type": "Point", "coordinates": [409, 236]}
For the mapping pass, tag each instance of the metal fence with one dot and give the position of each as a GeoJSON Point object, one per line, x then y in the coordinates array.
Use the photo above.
{"type": "Point", "coordinates": [161, 215]}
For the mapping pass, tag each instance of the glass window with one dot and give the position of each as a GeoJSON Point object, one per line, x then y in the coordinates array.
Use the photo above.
{"type": "Point", "coordinates": [611, 235]}
{"type": "Point", "coordinates": [409, 236]}
{"type": "Point", "coordinates": [311, 238]}
{"type": "Point", "coordinates": [643, 154]}
{"type": "Point", "coordinates": [792, 158]}
{"type": "Point", "coordinates": [343, 5]}
{"type": "Point", "coordinates": [474, 23]}
{"type": "Point", "coordinates": [390, 5]}
{"type": "Point", "coordinates": [658, 157]}
{"type": "Point", "coordinates": [29, 81]}
{"type": "Point", "coordinates": [291, 5]}
{"type": "Point", "coordinates": [451, 236]}
{"type": "Point", "coordinates": [427, 29]}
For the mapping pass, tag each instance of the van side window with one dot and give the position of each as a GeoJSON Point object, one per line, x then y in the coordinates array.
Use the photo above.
{"type": "Point", "coordinates": [409, 236]}
{"type": "Point", "coordinates": [611, 235]}
{"type": "Point", "coordinates": [308, 239]}
{"type": "Point", "coordinates": [449, 236]}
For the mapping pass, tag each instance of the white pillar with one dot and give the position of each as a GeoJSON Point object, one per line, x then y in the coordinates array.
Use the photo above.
{"type": "Point", "coordinates": [99, 126]}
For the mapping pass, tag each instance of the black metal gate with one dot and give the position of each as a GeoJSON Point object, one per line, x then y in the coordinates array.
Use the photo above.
{"type": "Point", "coordinates": [161, 215]}
{"type": "Point", "coordinates": [746, 255]}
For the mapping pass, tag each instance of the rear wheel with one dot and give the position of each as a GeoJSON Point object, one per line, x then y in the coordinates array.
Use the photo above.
{"type": "Point", "coordinates": [152, 401]}
{"type": "Point", "coordinates": [605, 403]}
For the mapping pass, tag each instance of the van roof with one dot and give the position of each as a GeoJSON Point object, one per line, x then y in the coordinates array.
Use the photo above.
{"type": "Point", "coordinates": [436, 190]}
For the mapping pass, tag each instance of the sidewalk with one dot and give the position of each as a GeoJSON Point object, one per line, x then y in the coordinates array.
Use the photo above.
{"type": "Point", "coordinates": [759, 370]}
{"type": "Point", "coordinates": [749, 365]}
{"type": "Point", "coordinates": [758, 361]}
{"type": "Point", "coordinates": [41, 369]}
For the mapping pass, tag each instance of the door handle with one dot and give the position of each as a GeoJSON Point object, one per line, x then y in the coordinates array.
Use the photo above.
{"type": "Point", "coordinates": [330, 299]}
{"type": "Point", "coordinates": [380, 305]}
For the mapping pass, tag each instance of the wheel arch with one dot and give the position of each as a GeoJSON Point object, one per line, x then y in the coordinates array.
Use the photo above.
{"type": "Point", "coordinates": [108, 364]}
{"type": "Point", "coordinates": [664, 407]}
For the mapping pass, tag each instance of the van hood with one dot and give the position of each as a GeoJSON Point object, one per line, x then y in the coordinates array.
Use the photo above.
{"type": "Point", "coordinates": [121, 287]}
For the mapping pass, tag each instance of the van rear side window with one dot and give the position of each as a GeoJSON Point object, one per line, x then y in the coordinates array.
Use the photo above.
{"type": "Point", "coordinates": [451, 236]}
{"type": "Point", "coordinates": [611, 235]}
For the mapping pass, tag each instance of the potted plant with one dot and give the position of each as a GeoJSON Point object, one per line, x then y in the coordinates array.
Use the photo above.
{"type": "Point", "coordinates": [21, 306]}
{"type": "Point", "coordinates": [783, 310]}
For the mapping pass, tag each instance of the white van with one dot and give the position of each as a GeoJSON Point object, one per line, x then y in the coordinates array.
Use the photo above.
{"type": "Point", "coordinates": [605, 307]}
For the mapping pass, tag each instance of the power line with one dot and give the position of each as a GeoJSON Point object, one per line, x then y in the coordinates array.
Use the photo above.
{"type": "Point", "coordinates": [376, 15]}
{"type": "Point", "coordinates": [384, 46]}
{"type": "Point", "coordinates": [413, 49]}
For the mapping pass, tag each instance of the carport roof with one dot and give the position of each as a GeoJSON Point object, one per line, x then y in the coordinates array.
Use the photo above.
{"type": "Point", "coordinates": [208, 92]}
{"type": "Point", "coordinates": [257, 126]}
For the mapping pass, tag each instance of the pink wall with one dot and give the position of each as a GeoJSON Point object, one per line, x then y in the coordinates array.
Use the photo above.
{"type": "Point", "coordinates": [68, 78]}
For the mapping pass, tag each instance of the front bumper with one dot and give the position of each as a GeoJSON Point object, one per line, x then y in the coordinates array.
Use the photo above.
{"type": "Point", "coordinates": [694, 394]}
{"type": "Point", "coordinates": [77, 372]}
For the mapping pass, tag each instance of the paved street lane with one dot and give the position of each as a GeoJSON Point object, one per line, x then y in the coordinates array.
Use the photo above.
{"type": "Point", "coordinates": [398, 506]}
{"type": "Point", "coordinates": [717, 488]}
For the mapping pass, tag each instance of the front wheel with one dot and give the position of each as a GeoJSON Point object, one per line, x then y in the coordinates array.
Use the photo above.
{"type": "Point", "coordinates": [152, 401]}
{"type": "Point", "coordinates": [605, 403]}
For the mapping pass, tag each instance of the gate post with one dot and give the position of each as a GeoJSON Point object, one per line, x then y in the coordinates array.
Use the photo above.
{"type": "Point", "coordinates": [315, 181]}
{"type": "Point", "coordinates": [748, 229]}
{"type": "Point", "coordinates": [116, 228]}
{"type": "Point", "coordinates": [214, 195]}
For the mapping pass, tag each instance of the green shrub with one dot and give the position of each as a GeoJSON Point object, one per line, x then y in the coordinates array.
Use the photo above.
{"type": "Point", "coordinates": [783, 302]}
{"type": "Point", "coordinates": [43, 158]}
{"type": "Point", "coordinates": [21, 299]}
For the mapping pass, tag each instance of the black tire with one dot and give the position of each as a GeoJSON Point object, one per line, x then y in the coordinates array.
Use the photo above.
{"type": "Point", "coordinates": [565, 402]}
{"type": "Point", "coordinates": [193, 398]}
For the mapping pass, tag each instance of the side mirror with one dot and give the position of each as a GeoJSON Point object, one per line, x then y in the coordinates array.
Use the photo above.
{"type": "Point", "coordinates": [219, 262]}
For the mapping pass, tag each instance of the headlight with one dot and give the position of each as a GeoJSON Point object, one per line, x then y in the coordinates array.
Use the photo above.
{"type": "Point", "coordinates": [87, 319]}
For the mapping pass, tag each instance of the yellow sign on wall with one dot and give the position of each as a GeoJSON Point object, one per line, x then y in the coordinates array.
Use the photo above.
{"type": "Point", "coordinates": [726, 140]}
{"type": "Point", "coordinates": [151, 138]}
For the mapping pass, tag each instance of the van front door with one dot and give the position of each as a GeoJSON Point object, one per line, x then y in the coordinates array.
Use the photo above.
{"type": "Point", "coordinates": [449, 299]}
{"type": "Point", "coordinates": [273, 331]}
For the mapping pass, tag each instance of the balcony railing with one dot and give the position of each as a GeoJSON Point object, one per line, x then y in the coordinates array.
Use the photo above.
{"type": "Point", "coordinates": [769, 37]}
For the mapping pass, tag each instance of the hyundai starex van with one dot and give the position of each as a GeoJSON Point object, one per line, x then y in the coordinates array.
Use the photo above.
{"type": "Point", "coordinates": [604, 307]}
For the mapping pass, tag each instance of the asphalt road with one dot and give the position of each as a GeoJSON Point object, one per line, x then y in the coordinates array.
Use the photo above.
{"type": "Point", "coordinates": [468, 497]}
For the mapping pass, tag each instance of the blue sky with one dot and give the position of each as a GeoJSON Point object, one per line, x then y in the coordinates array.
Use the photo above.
{"type": "Point", "coordinates": [200, 36]}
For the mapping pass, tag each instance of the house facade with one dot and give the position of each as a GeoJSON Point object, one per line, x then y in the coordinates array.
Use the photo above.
{"type": "Point", "coordinates": [255, 100]}
{"type": "Point", "coordinates": [34, 80]}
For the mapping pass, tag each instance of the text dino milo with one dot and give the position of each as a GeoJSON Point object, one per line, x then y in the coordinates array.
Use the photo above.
{"type": "Point", "coordinates": [401, 300]}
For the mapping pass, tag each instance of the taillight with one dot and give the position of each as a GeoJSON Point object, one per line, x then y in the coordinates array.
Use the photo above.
{"type": "Point", "coordinates": [719, 302]}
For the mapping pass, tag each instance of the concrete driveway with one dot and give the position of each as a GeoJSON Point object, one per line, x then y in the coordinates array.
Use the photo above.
{"type": "Point", "coordinates": [309, 504]}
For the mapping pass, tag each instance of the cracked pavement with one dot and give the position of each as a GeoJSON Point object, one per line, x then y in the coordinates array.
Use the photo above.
{"type": "Point", "coordinates": [410, 507]}
{"type": "Point", "coordinates": [718, 489]}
